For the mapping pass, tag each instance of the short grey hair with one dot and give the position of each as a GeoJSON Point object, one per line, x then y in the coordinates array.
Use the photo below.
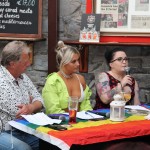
{"type": "Point", "coordinates": [12, 52]}
{"type": "Point", "coordinates": [64, 54]}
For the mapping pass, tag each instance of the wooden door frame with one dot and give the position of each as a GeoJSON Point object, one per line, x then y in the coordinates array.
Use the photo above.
{"type": "Point", "coordinates": [52, 34]}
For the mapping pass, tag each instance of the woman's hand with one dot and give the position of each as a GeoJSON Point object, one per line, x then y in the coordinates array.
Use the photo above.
{"type": "Point", "coordinates": [126, 80]}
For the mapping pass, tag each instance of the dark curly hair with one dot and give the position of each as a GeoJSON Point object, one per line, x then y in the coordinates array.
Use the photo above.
{"type": "Point", "coordinates": [109, 54]}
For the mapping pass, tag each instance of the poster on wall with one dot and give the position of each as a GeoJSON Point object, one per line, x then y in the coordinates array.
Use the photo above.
{"type": "Point", "coordinates": [90, 28]}
{"type": "Point", "coordinates": [127, 17]}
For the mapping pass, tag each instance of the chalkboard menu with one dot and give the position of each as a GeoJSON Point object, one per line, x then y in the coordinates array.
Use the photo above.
{"type": "Point", "coordinates": [21, 18]}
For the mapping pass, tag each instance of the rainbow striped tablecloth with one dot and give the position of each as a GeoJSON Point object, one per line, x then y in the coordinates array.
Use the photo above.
{"type": "Point", "coordinates": [87, 132]}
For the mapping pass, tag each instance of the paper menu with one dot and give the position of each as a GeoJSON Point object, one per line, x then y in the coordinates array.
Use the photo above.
{"type": "Point", "coordinates": [40, 119]}
{"type": "Point", "coordinates": [136, 107]}
{"type": "Point", "coordinates": [88, 115]}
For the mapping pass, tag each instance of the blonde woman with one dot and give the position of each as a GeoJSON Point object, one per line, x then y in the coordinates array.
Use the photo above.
{"type": "Point", "coordinates": [66, 82]}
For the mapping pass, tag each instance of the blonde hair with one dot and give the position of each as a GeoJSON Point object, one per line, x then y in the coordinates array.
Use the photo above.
{"type": "Point", "coordinates": [64, 54]}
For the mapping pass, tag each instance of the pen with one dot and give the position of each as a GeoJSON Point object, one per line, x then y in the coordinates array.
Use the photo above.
{"type": "Point", "coordinates": [104, 114]}
{"type": "Point", "coordinates": [87, 113]}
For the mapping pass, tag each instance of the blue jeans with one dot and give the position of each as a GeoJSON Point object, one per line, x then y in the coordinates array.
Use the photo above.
{"type": "Point", "coordinates": [19, 141]}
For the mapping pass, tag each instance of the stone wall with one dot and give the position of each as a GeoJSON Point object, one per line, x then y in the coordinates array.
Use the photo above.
{"type": "Point", "coordinates": [69, 27]}
{"type": "Point", "coordinates": [70, 12]}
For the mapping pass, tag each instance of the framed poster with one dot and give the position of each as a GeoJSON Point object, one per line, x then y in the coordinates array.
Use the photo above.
{"type": "Point", "coordinates": [124, 17]}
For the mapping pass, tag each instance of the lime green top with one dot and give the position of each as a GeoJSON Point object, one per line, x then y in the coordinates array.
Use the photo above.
{"type": "Point", "coordinates": [56, 96]}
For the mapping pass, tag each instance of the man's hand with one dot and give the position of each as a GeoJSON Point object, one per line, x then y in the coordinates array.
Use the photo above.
{"type": "Point", "coordinates": [24, 109]}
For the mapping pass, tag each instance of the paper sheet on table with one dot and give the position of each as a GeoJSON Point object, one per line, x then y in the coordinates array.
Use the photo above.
{"type": "Point", "coordinates": [136, 107]}
{"type": "Point", "coordinates": [40, 119]}
{"type": "Point", "coordinates": [88, 115]}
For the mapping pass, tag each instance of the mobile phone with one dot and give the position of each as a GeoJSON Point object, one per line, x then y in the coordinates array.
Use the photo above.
{"type": "Point", "coordinates": [56, 127]}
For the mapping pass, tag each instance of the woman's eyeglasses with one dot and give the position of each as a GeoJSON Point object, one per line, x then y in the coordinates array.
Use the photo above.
{"type": "Point", "coordinates": [120, 59]}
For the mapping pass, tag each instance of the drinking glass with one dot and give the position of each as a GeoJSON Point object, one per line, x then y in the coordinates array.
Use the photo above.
{"type": "Point", "coordinates": [72, 107]}
{"type": "Point", "coordinates": [126, 95]}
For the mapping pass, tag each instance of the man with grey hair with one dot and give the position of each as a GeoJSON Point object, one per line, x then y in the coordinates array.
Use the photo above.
{"type": "Point", "coordinates": [18, 96]}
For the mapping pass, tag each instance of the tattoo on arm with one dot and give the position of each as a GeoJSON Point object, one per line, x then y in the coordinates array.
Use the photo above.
{"type": "Point", "coordinates": [112, 92]}
{"type": "Point", "coordinates": [103, 87]}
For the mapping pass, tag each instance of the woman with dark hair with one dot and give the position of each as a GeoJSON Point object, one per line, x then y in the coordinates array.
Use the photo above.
{"type": "Point", "coordinates": [115, 80]}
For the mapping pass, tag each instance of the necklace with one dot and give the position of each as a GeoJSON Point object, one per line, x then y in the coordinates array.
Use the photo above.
{"type": "Point", "coordinates": [65, 75]}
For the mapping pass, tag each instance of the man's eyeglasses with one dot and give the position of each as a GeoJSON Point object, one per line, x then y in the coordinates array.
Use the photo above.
{"type": "Point", "coordinates": [120, 59]}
